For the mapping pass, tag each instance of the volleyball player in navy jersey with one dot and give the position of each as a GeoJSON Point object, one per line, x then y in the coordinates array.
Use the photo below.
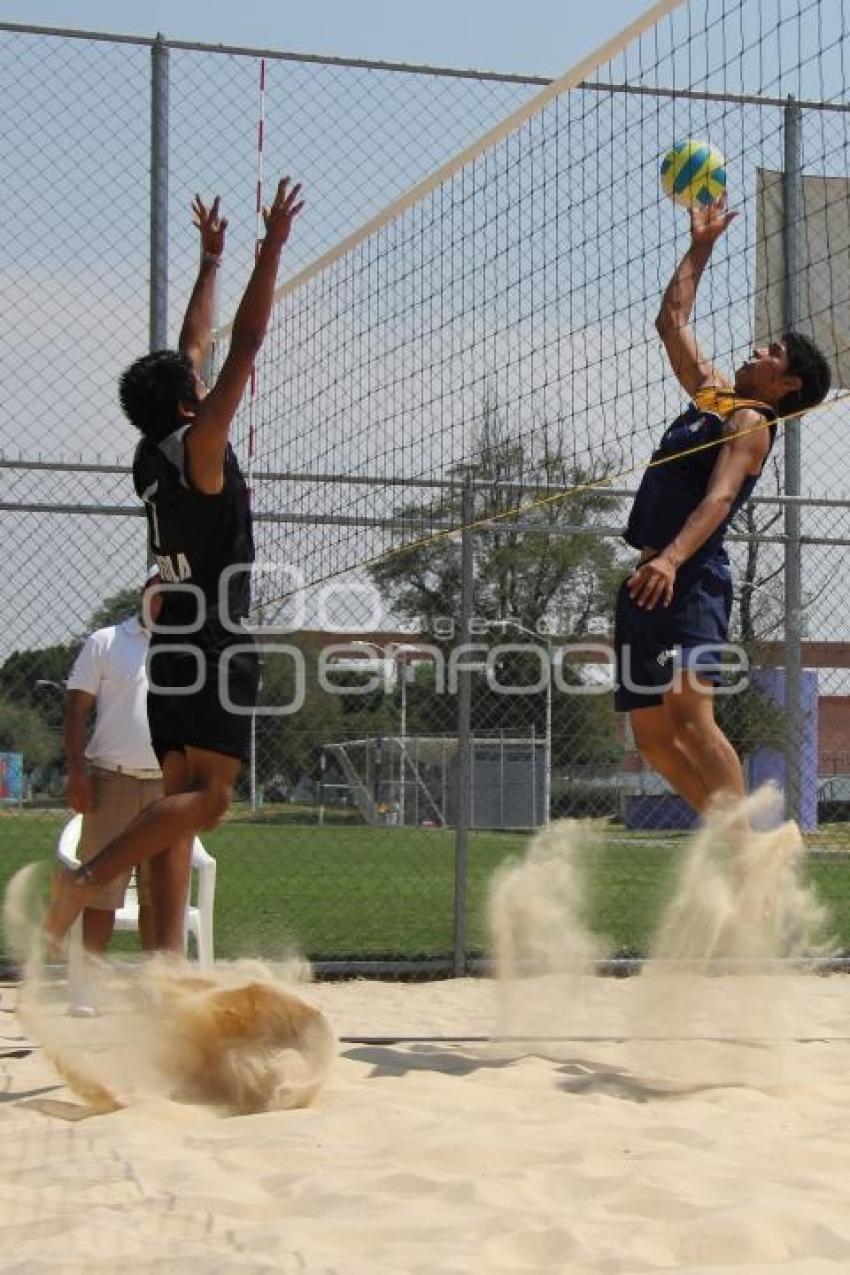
{"type": "Point", "coordinates": [203, 671]}
{"type": "Point", "coordinates": [672, 616]}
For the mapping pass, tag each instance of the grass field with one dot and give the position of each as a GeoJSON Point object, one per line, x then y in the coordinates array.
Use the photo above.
{"type": "Point", "coordinates": [354, 892]}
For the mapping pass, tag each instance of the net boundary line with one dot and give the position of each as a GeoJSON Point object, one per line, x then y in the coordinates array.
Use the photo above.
{"type": "Point", "coordinates": [564, 83]}
{"type": "Point", "coordinates": [621, 1038]}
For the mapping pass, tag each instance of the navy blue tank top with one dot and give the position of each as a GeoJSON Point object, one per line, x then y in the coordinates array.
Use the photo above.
{"type": "Point", "coordinates": [669, 493]}
{"type": "Point", "coordinates": [193, 536]}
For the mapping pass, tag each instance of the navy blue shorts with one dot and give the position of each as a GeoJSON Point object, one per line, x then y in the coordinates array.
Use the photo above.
{"type": "Point", "coordinates": [651, 646]}
{"type": "Point", "coordinates": [202, 697]}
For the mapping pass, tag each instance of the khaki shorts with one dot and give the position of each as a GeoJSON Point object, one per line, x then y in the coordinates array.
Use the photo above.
{"type": "Point", "coordinates": [117, 799]}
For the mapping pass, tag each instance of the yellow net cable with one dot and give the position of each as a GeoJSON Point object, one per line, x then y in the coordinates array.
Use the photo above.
{"type": "Point", "coordinates": [717, 401]}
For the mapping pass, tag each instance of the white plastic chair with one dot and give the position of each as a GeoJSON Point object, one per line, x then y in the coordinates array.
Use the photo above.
{"type": "Point", "coordinates": [199, 915]}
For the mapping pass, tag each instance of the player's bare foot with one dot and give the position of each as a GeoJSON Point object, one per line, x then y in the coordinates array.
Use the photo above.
{"type": "Point", "coordinates": [68, 895]}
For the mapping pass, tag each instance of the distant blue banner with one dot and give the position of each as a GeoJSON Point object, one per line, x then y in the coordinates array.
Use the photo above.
{"type": "Point", "coordinates": [11, 777]}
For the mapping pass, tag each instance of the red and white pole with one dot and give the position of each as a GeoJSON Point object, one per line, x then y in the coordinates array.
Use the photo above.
{"type": "Point", "coordinates": [258, 235]}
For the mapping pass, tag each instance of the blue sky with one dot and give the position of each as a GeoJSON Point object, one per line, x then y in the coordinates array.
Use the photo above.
{"type": "Point", "coordinates": [539, 36]}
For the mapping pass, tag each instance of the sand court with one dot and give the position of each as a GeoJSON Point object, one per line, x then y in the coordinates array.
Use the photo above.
{"type": "Point", "coordinates": [594, 1156]}
{"type": "Point", "coordinates": [692, 1118]}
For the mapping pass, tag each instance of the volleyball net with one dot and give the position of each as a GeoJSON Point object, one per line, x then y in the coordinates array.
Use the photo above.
{"type": "Point", "coordinates": [497, 322]}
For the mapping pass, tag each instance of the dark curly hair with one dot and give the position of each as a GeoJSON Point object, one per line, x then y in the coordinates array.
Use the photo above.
{"type": "Point", "coordinates": [806, 361]}
{"type": "Point", "coordinates": [152, 387]}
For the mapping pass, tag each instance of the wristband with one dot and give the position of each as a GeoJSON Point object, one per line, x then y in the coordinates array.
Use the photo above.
{"type": "Point", "coordinates": [211, 259]}
{"type": "Point", "coordinates": [84, 875]}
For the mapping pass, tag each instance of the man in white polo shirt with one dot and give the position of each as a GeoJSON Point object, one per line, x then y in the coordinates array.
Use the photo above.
{"type": "Point", "coordinates": [117, 774]}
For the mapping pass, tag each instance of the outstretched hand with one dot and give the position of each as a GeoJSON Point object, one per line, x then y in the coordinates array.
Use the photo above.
{"type": "Point", "coordinates": [280, 215]}
{"type": "Point", "coordinates": [211, 225]}
{"type": "Point", "coordinates": [709, 221]}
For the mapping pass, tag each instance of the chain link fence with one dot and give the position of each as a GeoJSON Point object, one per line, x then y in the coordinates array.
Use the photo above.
{"type": "Point", "coordinates": [391, 770]}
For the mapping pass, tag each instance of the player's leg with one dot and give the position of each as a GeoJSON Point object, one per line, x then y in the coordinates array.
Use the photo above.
{"type": "Point", "coordinates": [690, 705]}
{"type": "Point", "coordinates": [643, 660]}
{"type": "Point", "coordinates": [98, 924]}
{"type": "Point", "coordinates": [167, 874]}
{"type": "Point", "coordinates": [148, 791]}
{"type": "Point", "coordinates": [162, 824]}
{"type": "Point", "coordinates": [113, 806]}
{"type": "Point", "coordinates": [147, 927]}
{"type": "Point", "coordinates": [215, 774]}
{"type": "Point", "coordinates": [178, 815]}
{"type": "Point", "coordinates": [211, 771]}
{"type": "Point", "coordinates": [701, 609]}
{"type": "Point", "coordinates": [668, 753]}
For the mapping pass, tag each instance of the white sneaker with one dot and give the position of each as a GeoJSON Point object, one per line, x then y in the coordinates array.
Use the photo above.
{"type": "Point", "coordinates": [80, 1009]}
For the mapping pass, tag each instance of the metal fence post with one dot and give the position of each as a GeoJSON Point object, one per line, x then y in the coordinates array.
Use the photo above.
{"type": "Point", "coordinates": [547, 781]}
{"type": "Point", "coordinates": [794, 611]}
{"type": "Point", "coordinates": [464, 737]}
{"type": "Point", "coordinates": [252, 765]}
{"type": "Point", "coordinates": [158, 327]}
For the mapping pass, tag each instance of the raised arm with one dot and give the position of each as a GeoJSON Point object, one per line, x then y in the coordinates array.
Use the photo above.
{"type": "Point", "coordinates": [206, 439]}
{"type": "Point", "coordinates": [693, 370]}
{"type": "Point", "coordinates": [196, 333]}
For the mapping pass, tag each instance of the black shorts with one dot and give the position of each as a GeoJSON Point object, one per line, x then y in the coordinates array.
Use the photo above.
{"type": "Point", "coordinates": [202, 697]}
{"type": "Point", "coordinates": [651, 646]}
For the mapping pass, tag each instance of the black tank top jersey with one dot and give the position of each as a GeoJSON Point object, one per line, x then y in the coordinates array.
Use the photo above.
{"type": "Point", "coordinates": [669, 494]}
{"type": "Point", "coordinates": [194, 537]}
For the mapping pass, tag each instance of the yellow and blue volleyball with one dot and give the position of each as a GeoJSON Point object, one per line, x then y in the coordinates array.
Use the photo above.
{"type": "Point", "coordinates": [693, 172]}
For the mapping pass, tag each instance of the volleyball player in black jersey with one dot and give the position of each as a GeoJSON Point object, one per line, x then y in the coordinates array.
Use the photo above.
{"type": "Point", "coordinates": [202, 667]}
{"type": "Point", "coordinates": [672, 614]}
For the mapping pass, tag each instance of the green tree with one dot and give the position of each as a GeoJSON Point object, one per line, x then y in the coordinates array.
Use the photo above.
{"type": "Point", "coordinates": [289, 745]}
{"type": "Point", "coordinates": [23, 730]}
{"type": "Point", "coordinates": [36, 679]}
{"type": "Point", "coordinates": [528, 570]}
{"type": "Point", "coordinates": [525, 567]}
{"type": "Point", "coordinates": [117, 607]}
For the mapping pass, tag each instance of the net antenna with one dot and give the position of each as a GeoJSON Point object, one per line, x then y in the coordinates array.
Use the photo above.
{"type": "Point", "coordinates": [258, 238]}
{"type": "Point", "coordinates": [252, 399]}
